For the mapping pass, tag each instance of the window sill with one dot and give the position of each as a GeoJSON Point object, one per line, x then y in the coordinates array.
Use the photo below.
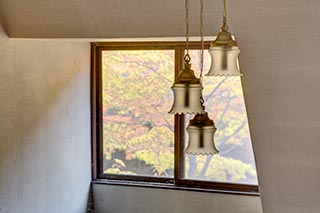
{"type": "Point", "coordinates": [171, 186]}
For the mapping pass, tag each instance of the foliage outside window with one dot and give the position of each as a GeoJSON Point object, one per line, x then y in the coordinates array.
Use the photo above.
{"type": "Point", "coordinates": [139, 140]}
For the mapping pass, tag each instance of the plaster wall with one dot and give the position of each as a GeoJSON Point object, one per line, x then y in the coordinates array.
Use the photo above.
{"type": "Point", "coordinates": [281, 66]}
{"type": "Point", "coordinates": [125, 199]}
{"type": "Point", "coordinates": [44, 126]}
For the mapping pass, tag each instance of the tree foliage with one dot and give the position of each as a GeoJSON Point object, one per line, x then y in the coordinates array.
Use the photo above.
{"type": "Point", "coordinates": [138, 131]}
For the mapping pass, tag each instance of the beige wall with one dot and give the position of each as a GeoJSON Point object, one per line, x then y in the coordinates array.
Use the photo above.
{"type": "Point", "coordinates": [280, 60]}
{"type": "Point", "coordinates": [125, 199]}
{"type": "Point", "coordinates": [44, 126]}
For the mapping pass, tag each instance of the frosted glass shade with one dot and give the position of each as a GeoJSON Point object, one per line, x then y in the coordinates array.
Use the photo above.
{"type": "Point", "coordinates": [186, 99]}
{"type": "Point", "coordinates": [201, 140]}
{"type": "Point", "coordinates": [224, 61]}
{"type": "Point", "coordinates": [201, 136]}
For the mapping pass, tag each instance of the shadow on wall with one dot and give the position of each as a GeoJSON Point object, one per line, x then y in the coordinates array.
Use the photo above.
{"type": "Point", "coordinates": [90, 207]}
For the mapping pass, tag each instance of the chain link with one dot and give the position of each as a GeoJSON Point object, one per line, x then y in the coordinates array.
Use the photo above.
{"type": "Point", "coordinates": [225, 26]}
{"type": "Point", "coordinates": [202, 39]}
{"type": "Point", "coordinates": [187, 28]}
{"type": "Point", "coordinates": [202, 49]}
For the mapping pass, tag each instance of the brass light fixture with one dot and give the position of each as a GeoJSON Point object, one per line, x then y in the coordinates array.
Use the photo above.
{"type": "Point", "coordinates": [201, 131]}
{"type": "Point", "coordinates": [224, 52]}
{"type": "Point", "coordinates": [187, 87]}
{"type": "Point", "coordinates": [201, 128]}
{"type": "Point", "coordinates": [187, 91]}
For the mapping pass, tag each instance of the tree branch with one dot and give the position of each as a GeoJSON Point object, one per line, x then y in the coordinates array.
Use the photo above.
{"type": "Point", "coordinates": [216, 88]}
{"type": "Point", "coordinates": [141, 64]}
{"type": "Point", "coordinates": [225, 139]}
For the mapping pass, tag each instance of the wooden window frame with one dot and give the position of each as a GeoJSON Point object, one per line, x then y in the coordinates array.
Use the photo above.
{"type": "Point", "coordinates": [179, 126]}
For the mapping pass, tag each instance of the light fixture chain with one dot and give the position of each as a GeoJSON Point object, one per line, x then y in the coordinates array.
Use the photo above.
{"type": "Point", "coordinates": [187, 28]}
{"type": "Point", "coordinates": [202, 49]}
{"type": "Point", "coordinates": [225, 26]}
{"type": "Point", "coordinates": [202, 39]}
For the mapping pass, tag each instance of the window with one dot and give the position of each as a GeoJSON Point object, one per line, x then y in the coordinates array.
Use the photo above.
{"type": "Point", "coordinates": [135, 138]}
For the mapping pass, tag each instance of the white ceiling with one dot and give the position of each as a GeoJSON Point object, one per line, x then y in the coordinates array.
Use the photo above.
{"type": "Point", "coordinates": [117, 18]}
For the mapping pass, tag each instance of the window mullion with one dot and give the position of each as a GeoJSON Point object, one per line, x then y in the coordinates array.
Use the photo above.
{"type": "Point", "coordinates": [179, 127]}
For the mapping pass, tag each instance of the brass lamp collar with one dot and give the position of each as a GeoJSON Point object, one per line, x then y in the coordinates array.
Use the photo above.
{"type": "Point", "coordinates": [201, 120]}
{"type": "Point", "coordinates": [224, 38]}
{"type": "Point", "coordinates": [187, 75]}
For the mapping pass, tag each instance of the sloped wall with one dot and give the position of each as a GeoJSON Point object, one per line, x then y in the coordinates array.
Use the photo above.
{"type": "Point", "coordinates": [280, 61]}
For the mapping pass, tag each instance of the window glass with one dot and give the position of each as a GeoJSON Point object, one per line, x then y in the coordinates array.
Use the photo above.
{"type": "Point", "coordinates": [137, 130]}
{"type": "Point", "coordinates": [224, 103]}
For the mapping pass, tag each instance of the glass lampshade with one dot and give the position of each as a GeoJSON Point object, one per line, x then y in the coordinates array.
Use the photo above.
{"type": "Point", "coordinates": [186, 99]}
{"type": "Point", "coordinates": [201, 131]}
{"type": "Point", "coordinates": [187, 91]}
{"type": "Point", "coordinates": [224, 61]}
{"type": "Point", "coordinates": [224, 53]}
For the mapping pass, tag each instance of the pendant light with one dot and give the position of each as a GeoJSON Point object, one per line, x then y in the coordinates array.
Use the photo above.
{"type": "Point", "coordinates": [187, 87]}
{"type": "Point", "coordinates": [201, 128]}
{"type": "Point", "coordinates": [224, 52]}
{"type": "Point", "coordinates": [201, 131]}
{"type": "Point", "coordinates": [187, 91]}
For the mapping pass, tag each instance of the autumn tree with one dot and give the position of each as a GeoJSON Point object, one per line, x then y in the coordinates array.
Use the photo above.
{"type": "Point", "coordinates": [138, 131]}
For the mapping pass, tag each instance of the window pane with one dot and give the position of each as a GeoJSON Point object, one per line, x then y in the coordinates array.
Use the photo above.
{"type": "Point", "coordinates": [225, 104]}
{"type": "Point", "coordinates": [137, 130]}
